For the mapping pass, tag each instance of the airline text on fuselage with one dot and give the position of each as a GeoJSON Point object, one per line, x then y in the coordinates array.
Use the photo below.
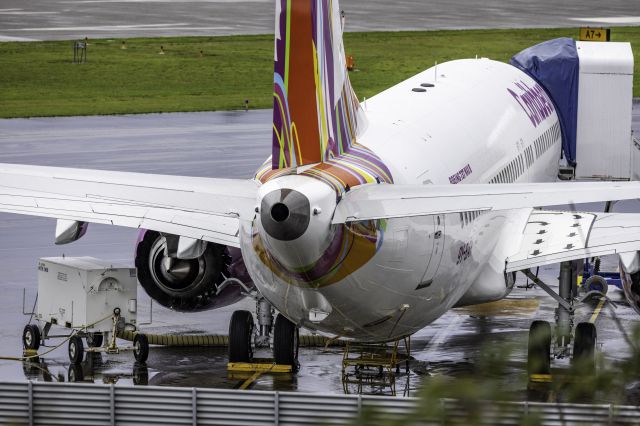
{"type": "Point", "coordinates": [534, 101]}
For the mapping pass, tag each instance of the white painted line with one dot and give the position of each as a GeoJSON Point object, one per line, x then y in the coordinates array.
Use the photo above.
{"type": "Point", "coordinates": [10, 38]}
{"type": "Point", "coordinates": [631, 20]}
{"type": "Point", "coordinates": [106, 27]}
{"type": "Point", "coordinates": [168, 27]}
{"type": "Point", "coordinates": [166, 1]}
{"type": "Point", "coordinates": [25, 12]}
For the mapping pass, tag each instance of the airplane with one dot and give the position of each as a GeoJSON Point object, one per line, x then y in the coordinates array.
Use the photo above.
{"type": "Point", "coordinates": [371, 219]}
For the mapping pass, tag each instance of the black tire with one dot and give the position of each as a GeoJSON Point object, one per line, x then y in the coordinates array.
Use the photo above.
{"type": "Point", "coordinates": [140, 375]}
{"type": "Point", "coordinates": [584, 348]}
{"type": "Point", "coordinates": [539, 348]}
{"type": "Point", "coordinates": [240, 336]}
{"type": "Point", "coordinates": [141, 348]}
{"type": "Point", "coordinates": [31, 337]}
{"type": "Point", "coordinates": [75, 374]}
{"type": "Point", "coordinates": [285, 342]}
{"type": "Point", "coordinates": [94, 340]}
{"type": "Point", "coordinates": [596, 283]}
{"type": "Point", "coordinates": [76, 349]}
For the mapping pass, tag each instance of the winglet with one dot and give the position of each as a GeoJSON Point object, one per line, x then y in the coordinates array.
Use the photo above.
{"type": "Point", "coordinates": [316, 114]}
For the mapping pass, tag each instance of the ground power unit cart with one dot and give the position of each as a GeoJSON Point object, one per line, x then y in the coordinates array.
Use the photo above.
{"type": "Point", "coordinates": [92, 300]}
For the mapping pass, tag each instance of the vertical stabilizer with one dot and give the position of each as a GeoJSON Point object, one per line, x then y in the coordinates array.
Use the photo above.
{"type": "Point", "coordinates": [316, 115]}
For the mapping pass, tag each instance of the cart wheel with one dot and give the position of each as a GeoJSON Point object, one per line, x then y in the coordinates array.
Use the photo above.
{"type": "Point", "coordinates": [141, 348]}
{"type": "Point", "coordinates": [76, 349]}
{"type": "Point", "coordinates": [140, 375]}
{"type": "Point", "coordinates": [94, 340]}
{"type": "Point", "coordinates": [75, 373]}
{"type": "Point", "coordinates": [31, 337]}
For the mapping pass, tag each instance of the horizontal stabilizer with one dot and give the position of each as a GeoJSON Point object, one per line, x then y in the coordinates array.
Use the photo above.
{"type": "Point", "coordinates": [199, 208]}
{"type": "Point", "coordinates": [379, 201]}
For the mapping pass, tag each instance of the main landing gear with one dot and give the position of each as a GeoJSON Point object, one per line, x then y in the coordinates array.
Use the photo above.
{"type": "Point", "coordinates": [580, 344]}
{"type": "Point", "coordinates": [282, 335]}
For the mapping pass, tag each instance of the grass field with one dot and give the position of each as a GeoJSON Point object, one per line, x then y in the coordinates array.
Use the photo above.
{"type": "Point", "coordinates": [39, 78]}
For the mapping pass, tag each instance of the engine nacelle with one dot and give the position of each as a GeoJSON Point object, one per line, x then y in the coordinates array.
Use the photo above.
{"type": "Point", "coordinates": [187, 285]}
{"type": "Point", "coordinates": [630, 274]}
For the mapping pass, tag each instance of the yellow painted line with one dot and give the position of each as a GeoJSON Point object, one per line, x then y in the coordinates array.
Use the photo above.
{"type": "Point", "coordinates": [540, 378]}
{"type": "Point", "coordinates": [597, 311]}
{"type": "Point", "coordinates": [248, 367]}
{"type": "Point", "coordinates": [250, 380]}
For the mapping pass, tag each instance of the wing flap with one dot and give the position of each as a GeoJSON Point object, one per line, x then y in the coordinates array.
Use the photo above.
{"type": "Point", "coordinates": [569, 236]}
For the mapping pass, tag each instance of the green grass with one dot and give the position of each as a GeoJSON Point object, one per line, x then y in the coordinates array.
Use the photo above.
{"type": "Point", "coordinates": [39, 78]}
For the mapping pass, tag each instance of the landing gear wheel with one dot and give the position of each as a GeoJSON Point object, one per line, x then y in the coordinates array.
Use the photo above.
{"type": "Point", "coordinates": [76, 349]}
{"type": "Point", "coordinates": [31, 337]}
{"type": "Point", "coordinates": [539, 349]}
{"type": "Point", "coordinates": [141, 348]}
{"type": "Point", "coordinates": [584, 348]}
{"type": "Point", "coordinates": [94, 340]}
{"type": "Point", "coordinates": [596, 283]}
{"type": "Point", "coordinates": [285, 342]}
{"type": "Point", "coordinates": [240, 334]}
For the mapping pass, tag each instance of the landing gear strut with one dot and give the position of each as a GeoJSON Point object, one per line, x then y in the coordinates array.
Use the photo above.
{"type": "Point", "coordinates": [540, 339]}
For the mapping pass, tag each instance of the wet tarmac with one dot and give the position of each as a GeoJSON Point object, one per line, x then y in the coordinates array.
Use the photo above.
{"type": "Point", "coordinates": [230, 144]}
{"type": "Point", "coordinates": [75, 19]}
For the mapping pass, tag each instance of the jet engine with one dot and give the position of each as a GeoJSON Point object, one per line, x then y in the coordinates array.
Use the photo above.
{"type": "Point", "coordinates": [188, 284]}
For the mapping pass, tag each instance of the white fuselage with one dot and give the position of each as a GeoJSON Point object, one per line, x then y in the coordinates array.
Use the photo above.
{"type": "Point", "coordinates": [482, 122]}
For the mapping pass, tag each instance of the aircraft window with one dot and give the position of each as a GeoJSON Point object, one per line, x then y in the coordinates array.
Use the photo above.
{"type": "Point", "coordinates": [427, 85]}
{"type": "Point", "coordinates": [548, 136]}
{"type": "Point", "coordinates": [418, 89]}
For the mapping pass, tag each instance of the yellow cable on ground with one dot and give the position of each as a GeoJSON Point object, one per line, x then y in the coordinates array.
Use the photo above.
{"type": "Point", "coordinates": [216, 340]}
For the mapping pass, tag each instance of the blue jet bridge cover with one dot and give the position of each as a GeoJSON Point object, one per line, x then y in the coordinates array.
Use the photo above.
{"type": "Point", "coordinates": [555, 65]}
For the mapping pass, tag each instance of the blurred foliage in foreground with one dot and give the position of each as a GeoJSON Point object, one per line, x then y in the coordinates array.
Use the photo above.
{"type": "Point", "coordinates": [480, 396]}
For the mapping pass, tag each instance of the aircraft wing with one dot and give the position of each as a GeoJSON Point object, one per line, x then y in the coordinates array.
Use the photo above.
{"type": "Point", "coordinates": [553, 237]}
{"type": "Point", "coordinates": [199, 208]}
{"type": "Point", "coordinates": [379, 201]}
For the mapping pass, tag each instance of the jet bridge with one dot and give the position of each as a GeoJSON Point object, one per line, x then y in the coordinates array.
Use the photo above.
{"type": "Point", "coordinates": [591, 85]}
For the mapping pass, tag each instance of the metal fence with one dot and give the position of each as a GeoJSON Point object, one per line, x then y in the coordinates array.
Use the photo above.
{"type": "Point", "coordinates": [38, 403]}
